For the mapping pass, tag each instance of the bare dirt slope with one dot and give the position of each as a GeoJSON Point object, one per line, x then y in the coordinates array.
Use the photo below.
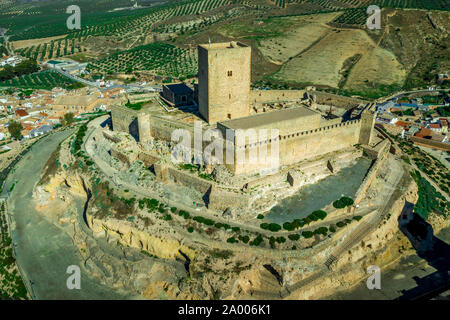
{"type": "Point", "coordinates": [305, 31]}
{"type": "Point", "coordinates": [322, 64]}
{"type": "Point", "coordinates": [419, 39]}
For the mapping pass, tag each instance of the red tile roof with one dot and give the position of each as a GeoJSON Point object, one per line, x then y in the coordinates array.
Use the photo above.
{"type": "Point", "coordinates": [21, 113]}
{"type": "Point", "coordinates": [423, 133]}
{"type": "Point", "coordinates": [403, 124]}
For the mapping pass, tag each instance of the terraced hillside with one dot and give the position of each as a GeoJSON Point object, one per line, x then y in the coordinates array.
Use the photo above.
{"type": "Point", "coordinates": [42, 80]}
{"type": "Point", "coordinates": [164, 59]}
{"type": "Point", "coordinates": [296, 43]}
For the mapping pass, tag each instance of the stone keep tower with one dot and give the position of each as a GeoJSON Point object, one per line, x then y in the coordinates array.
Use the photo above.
{"type": "Point", "coordinates": [224, 81]}
{"type": "Point", "coordinates": [367, 124]}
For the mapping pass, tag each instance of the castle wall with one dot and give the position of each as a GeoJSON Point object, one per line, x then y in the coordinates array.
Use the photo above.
{"type": "Point", "coordinates": [141, 97]}
{"type": "Point", "coordinates": [148, 159]}
{"type": "Point", "coordinates": [271, 96]}
{"type": "Point", "coordinates": [286, 121]}
{"type": "Point", "coordinates": [189, 180]}
{"type": "Point", "coordinates": [221, 199]}
{"type": "Point", "coordinates": [122, 117]}
{"type": "Point", "coordinates": [127, 159]}
{"type": "Point", "coordinates": [303, 145]}
{"type": "Point", "coordinates": [367, 125]}
{"type": "Point", "coordinates": [371, 174]}
{"type": "Point", "coordinates": [216, 198]}
{"type": "Point", "coordinates": [144, 127]}
{"type": "Point", "coordinates": [336, 100]}
{"type": "Point", "coordinates": [162, 129]}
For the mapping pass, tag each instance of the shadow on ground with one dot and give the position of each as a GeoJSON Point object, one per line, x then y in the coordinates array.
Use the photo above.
{"type": "Point", "coordinates": [430, 248]}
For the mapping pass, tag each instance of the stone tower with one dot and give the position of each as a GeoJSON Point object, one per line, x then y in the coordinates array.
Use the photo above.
{"type": "Point", "coordinates": [367, 124]}
{"type": "Point", "coordinates": [224, 81]}
{"type": "Point", "coordinates": [144, 127]}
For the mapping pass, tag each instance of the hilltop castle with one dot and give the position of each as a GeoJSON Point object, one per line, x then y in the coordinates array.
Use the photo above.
{"type": "Point", "coordinates": [226, 102]}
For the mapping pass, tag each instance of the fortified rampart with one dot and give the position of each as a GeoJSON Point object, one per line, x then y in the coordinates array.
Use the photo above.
{"type": "Point", "coordinates": [136, 98]}
{"type": "Point", "coordinates": [371, 174]}
{"type": "Point", "coordinates": [122, 117]}
{"type": "Point", "coordinates": [272, 96]}
{"type": "Point", "coordinates": [301, 145]}
{"type": "Point", "coordinates": [292, 147]}
{"type": "Point", "coordinates": [367, 125]}
{"type": "Point", "coordinates": [215, 196]}
{"type": "Point", "coordinates": [336, 100]}
{"type": "Point", "coordinates": [162, 129]}
{"type": "Point", "coordinates": [428, 143]}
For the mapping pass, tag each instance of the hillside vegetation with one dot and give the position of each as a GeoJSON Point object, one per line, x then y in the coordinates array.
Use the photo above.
{"type": "Point", "coordinates": [295, 42]}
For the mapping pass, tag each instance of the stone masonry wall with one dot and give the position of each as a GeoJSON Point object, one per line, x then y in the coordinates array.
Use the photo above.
{"type": "Point", "coordinates": [122, 117]}
{"type": "Point", "coordinates": [221, 199]}
{"type": "Point", "coordinates": [371, 174]}
{"type": "Point", "coordinates": [305, 145]}
{"type": "Point", "coordinates": [336, 100]}
{"type": "Point", "coordinates": [270, 96]}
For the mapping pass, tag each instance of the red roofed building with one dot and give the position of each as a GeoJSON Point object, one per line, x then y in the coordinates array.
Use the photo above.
{"type": "Point", "coordinates": [26, 131]}
{"type": "Point", "coordinates": [436, 127]}
{"type": "Point", "coordinates": [403, 124]}
{"type": "Point", "coordinates": [22, 114]}
{"type": "Point", "coordinates": [424, 132]}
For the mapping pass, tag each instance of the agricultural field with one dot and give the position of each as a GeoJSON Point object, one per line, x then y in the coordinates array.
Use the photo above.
{"type": "Point", "coordinates": [42, 80]}
{"type": "Point", "coordinates": [34, 20]}
{"type": "Point", "coordinates": [164, 59]}
{"type": "Point", "coordinates": [295, 42]}
{"type": "Point", "coordinates": [357, 16]}
{"type": "Point", "coordinates": [368, 70]}
{"type": "Point", "coordinates": [50, 50]}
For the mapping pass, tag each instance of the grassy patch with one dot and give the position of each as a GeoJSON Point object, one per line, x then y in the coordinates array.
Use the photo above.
{"type": "Point", "coordinates": [429, 200]}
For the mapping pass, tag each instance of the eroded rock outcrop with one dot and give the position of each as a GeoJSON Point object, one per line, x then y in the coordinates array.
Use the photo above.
{"type": "Point", "coordinates": [128, 235]}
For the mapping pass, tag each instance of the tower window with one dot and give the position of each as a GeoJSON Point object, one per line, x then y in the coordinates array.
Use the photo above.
{"type": "Point", "coordinates": [230, 73]}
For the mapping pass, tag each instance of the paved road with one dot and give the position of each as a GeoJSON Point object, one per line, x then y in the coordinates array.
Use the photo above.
{"type": "Point", "coordinates": [403, 93]}
{"type": "Point", "coordinates": [78, 79]}
{"type": "Point", "coordinates": [43, 250]}
{"type": "Point", "coordinates": [7, 44]}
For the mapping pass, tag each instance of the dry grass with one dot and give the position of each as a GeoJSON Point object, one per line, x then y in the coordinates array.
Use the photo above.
{"type": "Point", "coordinates": [323, 62]}
{"type": "Point", "coordinates": [34, 42]}
{"type": "Point", "coordinates": [303, 33]}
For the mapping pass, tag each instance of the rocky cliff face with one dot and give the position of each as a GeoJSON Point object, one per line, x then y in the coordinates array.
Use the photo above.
{"type": "Point", "coordinates": [183, 266]}
{"type": "Point", "coordinates": [130, 236]}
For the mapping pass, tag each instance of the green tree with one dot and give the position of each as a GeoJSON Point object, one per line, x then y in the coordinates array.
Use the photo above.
{"type": "Point", "coordinates": [69, 118]}
{"type": "Point", "coordinates": [15, 129]}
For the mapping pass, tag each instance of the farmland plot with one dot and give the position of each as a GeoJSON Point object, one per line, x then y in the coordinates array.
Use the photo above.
{"type": "Point", "coordinates": [164, 59]}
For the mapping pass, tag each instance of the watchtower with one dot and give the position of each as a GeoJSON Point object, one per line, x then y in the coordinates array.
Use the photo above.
{"type": "Point", "coordinates": [224, 80]}
{"type": "Point", "coordinates": [367, 124]}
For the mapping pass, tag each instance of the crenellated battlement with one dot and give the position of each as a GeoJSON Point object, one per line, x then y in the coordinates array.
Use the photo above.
{"type": "Point", "coordinates": [300, 134]}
